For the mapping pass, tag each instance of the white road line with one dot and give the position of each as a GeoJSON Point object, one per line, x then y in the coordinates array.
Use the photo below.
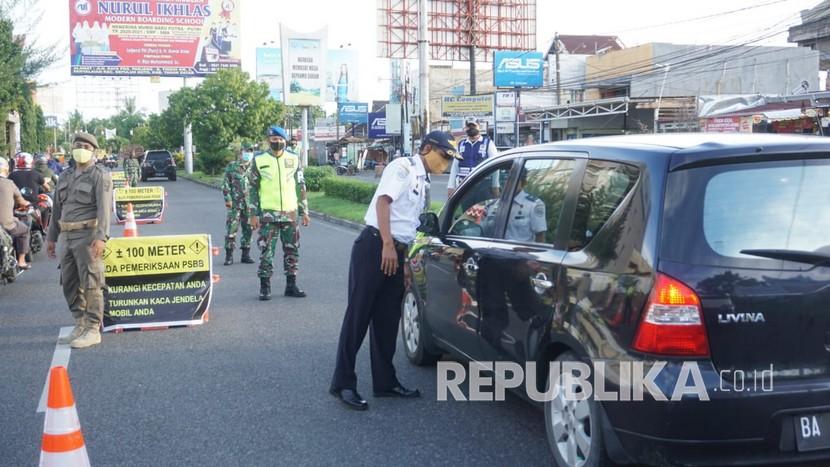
{"type": "Point", "coordinates": [59, 358]}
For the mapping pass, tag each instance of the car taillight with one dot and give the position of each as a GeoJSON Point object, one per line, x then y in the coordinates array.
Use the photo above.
{"type": "Point", "coordinates": [672, 323]}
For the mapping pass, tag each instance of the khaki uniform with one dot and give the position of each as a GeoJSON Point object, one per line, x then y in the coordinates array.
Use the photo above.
{"type": "Point", "coordinates": [80, 215]}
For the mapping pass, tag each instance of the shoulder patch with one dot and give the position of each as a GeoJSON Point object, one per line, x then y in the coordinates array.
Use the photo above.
{"type": "Point", "coordinates": [539, 209]}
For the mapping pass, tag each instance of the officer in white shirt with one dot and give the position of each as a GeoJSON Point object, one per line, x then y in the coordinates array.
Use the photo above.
{"type": "Point", "coordinates": [474, 150]}
{"type": "Point", "coordinates": [376, 272]}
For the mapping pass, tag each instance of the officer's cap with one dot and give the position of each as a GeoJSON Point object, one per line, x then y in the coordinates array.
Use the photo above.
{"type": "Point", "coordinates": [86, 138]}
{"type": "Point", "coordinates": [444, 141]}
{"type": "Point", "coordinates": [275, 130]}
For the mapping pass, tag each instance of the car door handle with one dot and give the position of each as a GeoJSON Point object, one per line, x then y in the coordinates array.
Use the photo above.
{"type": "Point", "coordinates": [471, 266]}
{"type": "Point", "coordinates": [541, 283]}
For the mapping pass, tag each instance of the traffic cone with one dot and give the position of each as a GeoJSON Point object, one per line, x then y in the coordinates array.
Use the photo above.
{"type": "Point", "coordinates": [63, 442]}
{"type": "Point", "coordinates": [130, 227]}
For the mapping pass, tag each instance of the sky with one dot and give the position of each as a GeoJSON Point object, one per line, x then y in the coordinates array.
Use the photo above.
{"type": "Point", "coordinates": [354, 22]}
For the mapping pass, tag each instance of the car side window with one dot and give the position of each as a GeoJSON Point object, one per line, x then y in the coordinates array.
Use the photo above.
{"type": "Point", "coordinates": [604, 188]}
{"type": "Point", "coordinates": [536, 208]}
{"type": "Point", "coordinates": [474, 214]}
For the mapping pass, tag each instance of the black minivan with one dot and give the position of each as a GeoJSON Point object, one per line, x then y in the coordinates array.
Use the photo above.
{"type": "Point", "coordinates": [158, 163]}
{"type": "Point", "coordinates": [705, 256]}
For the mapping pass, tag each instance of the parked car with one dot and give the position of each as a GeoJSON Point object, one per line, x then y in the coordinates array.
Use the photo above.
{"type": "Point", "coordinates": [701, 249]}
{"type": "Point", "coordinates": [158, 163]}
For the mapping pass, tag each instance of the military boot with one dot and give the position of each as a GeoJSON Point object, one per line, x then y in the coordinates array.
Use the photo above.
{"type": "Point", "coordinates": [76, 332]}
{"type": "Point", "coordinates": [264, 288]}
{"type": "Point", "coordinates": [246, 256]}
{"type": "Point", "coordinates": [90, 337]}
{"type": "Point", "coordinates": [228, 256]}
{"type": "Point", "coordinates": [291, 289]}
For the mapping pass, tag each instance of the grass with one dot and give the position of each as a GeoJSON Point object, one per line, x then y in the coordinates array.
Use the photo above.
{"type": "Point", "coordinates": [214, 180]}
{"type": "Point", "coordinates": [349, 210]}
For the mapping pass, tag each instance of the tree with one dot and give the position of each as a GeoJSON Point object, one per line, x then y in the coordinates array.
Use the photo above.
{"type": "Point", "coordinates": [294, 116]}
{"type": "Point", "coordinates": [76, 122]}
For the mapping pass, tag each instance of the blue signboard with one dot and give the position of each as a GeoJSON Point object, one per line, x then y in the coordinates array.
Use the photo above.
{"type": "Point", "coordinates": [377, 125]}
{"type": "Point", "coordinates": [518, 69]}
{"type": "Point", "coordinates": [353, 112]}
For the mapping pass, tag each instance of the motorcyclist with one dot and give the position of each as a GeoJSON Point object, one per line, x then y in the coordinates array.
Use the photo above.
{"type": "Point", "coordinates": [9, 198]}
{"type": "Point", "coordinates": [42, 167]}
{"type": "Point", "coordinates": [29, 182]}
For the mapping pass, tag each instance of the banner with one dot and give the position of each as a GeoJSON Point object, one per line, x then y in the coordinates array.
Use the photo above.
{"type": "Point", "coordinates": [353, 112]}
{"type": "Point", "coordinates": [157, 281]}
{"type": "Point", "coordinates": [727, 125]}
{"type": "Point", "coordinates": [119, 180]}
{"type": "Point", "coordinates": [377, 125]}
{"type": "Point", "coordinates": [153, 37]}
{"type": "Point", "coordinates": [342, 76]}
{"type": "Point", "coordinates": [467, 106]}
{"type": "Point", "coordinates": [148, 204]}
{"type": "Point", "coordinates": [303, 65]}
{"type": "Point", "coordinates": [514, 69]}
{"type": "Point", "coordinates": [269, 70]}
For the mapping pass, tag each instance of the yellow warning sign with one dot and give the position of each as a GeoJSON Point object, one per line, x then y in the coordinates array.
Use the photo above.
{"type": "Point", "coordinates": [147, 256]}
{"type": "Point", "coordinates": [150, 193]}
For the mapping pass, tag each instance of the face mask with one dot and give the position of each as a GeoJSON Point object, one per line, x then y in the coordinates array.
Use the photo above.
{"type": "Point", "coordinates": [247, 156]}
{"type": "Point", "coordinates": [278, 146]}
{"type": "Point", "coordinates": [472, 132]}
{"type": "Point", "coordinates": [292, 144]}
{"type": "Point", "coordinates": [81, 156]}
{"type": "Point", "coordinates": [437, 163]}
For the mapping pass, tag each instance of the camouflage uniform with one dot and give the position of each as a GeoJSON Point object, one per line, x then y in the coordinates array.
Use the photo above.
{"type": "Point", "coordinates": [132, 171]}
{"type": "Point", "coordinates": [235, 190]}
{"type": "Point", "coordinates": [277, 226]}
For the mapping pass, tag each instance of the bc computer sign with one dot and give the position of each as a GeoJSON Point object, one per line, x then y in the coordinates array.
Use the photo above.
{"type": "Point", "coordinates": [518, 69]}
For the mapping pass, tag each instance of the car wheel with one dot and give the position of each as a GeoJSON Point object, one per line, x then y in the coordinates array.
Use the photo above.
{"type": "Point", "coordinates": [413, 333]}
{"type": "Point", "coordinates": [573, 426]}
{"type": "Point", "coordinates": [172, 178]}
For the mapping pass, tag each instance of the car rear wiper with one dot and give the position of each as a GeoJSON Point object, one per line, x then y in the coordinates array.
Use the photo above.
{"type": "Point", "coordinates": [809, 257]}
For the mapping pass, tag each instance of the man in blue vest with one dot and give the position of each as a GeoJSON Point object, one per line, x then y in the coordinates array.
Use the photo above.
{"type": "Point", "coordinates": [475, 149]}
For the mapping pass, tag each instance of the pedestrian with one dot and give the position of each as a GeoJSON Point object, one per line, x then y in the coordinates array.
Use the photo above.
{"type": "Point", "coordinates": [10, 197]}
{"type": "Point", "coordinates": [235, 190]}
{"type": "Point", "coordinates": [377, 277]}
{"type": "Point", "coordinates": [474, 149]}
{"type": "Point", "coordinates": [132, 170]}
{"type": "Point", "coordinates": [81, 223]}
{"type": "Point", "coordinates": [273, 208]}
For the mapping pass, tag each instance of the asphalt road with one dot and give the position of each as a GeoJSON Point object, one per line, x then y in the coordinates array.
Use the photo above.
{"type": "Point", "coordinates": [247, 388]}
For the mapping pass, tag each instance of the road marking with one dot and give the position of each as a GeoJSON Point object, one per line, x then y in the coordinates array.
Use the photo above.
{"type": "Point", "coordinates": [59, 358]}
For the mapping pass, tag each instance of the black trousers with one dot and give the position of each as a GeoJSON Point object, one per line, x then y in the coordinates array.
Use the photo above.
{"type": "Point", "coordinates": [374, 301]}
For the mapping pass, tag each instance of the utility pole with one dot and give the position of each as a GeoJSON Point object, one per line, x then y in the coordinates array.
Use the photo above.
{"type": "Point", "coordinates": [188, 144]}
{"type": "Point", "coordinates": [423, 65]}
{"type": "Point", "coordinates": [305, 136]}
{"type": "Point", "coordinates": [558, 75]}
{"type": "Point", "coordinates": [660, 98]}
{"type": "Point", "coordinates": [472, 67]}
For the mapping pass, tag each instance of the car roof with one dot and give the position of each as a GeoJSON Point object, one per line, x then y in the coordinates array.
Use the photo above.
{"type": "Point", "coordinates": [685, 149]}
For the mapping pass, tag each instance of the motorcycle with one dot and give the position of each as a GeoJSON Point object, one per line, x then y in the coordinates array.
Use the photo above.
{"type": "Point", "coordinates": [28, 216]}
{"type": "Point", "coordinates": [8, 258]}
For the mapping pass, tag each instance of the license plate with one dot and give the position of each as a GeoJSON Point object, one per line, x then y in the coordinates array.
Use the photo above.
{"type": "Point", "coordinates": [812, 432]}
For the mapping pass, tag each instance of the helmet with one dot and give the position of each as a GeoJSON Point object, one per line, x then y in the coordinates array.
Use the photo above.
{"type": "Point", "coordinates": [275, 130]}
{"type": "Point", "coordinates": [23, 160]}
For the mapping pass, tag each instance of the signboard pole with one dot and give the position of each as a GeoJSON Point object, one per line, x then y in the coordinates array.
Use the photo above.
{"type": "Point", "coordinates": [518, 90]}
{"type": "Point", "coordinates": [305, 136]}
{"type": "Point", "coordinates": [188, 144]}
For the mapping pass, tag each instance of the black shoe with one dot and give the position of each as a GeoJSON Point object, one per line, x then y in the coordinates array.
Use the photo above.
{"type": "Point", "coordinates": [246, 256]}
{"type": "Point", "coordinates": [264, 288]}
{"type": "Point", "coordinates": [350, 397]}
{"type": "Point", "coordinates": [291, 289]}
{"type": "Point", "coordinates": [228, 257]}
{"type": "Point", "coordinates": [399, 391]}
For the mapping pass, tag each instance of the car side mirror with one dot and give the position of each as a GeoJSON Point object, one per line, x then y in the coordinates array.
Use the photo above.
{"type": "Point", "coordinates": [429, 224]}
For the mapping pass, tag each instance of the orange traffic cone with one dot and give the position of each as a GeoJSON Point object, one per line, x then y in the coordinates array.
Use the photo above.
{"type": "Point", "coordinates": [63, 442]}
{"type": "Point", "coordinates": [130, 227]}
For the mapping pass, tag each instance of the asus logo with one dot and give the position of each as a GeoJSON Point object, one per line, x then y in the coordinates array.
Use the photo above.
{"type": "Point", "coordinates": [353, 108]}
{"type": "Point", "coordinates": [520, 64]}
{"type": "Point", "coordinates": [379, 123]}
{"type": "Point", "coordinates": [729, 318]}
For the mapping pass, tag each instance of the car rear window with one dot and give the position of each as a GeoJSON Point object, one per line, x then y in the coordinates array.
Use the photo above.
{"type": "Point", "coordinates": [158, 156]}
{"type": "Point", "coordinates": [712, 213]}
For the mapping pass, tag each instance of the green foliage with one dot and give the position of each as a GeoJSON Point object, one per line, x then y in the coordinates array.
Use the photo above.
{"type": "Point", "coordinates": [213, 163]}
{"type": "Point", "coordinates": [314, 177]}
{"type": "Point", "coordinates": [350, 190]}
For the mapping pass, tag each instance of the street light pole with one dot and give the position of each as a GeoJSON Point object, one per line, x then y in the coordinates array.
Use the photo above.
{"type": "Point", "coordinates": [660, 98]}
{"type": "Point", "coordinates": [423, 65]}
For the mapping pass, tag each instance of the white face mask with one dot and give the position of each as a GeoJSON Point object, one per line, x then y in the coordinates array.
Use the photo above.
{"type": "Point", "coordinates": [82, 156]}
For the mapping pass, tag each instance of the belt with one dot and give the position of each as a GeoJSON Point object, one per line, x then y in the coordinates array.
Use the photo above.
{"type": "Point", "coordinates": [399, 246]}
{"type": "Point", "coordinates": [79, 225]}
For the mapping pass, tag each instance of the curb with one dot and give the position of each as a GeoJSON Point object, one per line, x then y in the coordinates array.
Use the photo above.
{"type": "Point", "coordinates": [357, 226]}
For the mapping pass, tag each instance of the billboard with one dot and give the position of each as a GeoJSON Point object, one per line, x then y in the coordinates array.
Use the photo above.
{"type": "Point", "coordinates": [269, 70]}
{"type": "Point", "coordinates": [518, 69]}
{"type": "Point", "coordinates": [377, 125]}
{"type": "Point", "coordinates": [153, 37]}
{"type": "Point", "coordinates": [342, 76]}
{"type": "Point", "coordinates": [467, 106]}
{"type": "Point", "coordinates": [353, 112]}
{"type": "Point", "coordinates": [303, 66]}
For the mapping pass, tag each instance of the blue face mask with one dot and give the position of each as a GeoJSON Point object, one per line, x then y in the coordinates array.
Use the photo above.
{"type": "Point", "coordinates": [247, 156]}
